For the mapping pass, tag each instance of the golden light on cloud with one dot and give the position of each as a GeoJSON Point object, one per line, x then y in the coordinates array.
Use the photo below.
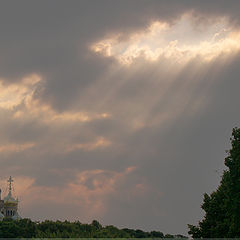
{"type": "Point", "coordinates": [99, 143]}
{"type": "Point", "coordinates": [14, 94]}
{"type": "Point", "coordinates": [44, 112]}
{"type": "Point", "coordinates": [78, 116]}
{"type": "Point", "coordinates": [16, 147]}
{"type": "Point", "coordinates": [179, 42]}
{"type": "Point", "coordinates": [19, 97]}
{"type": "Point", "coordinates": [47, 114]}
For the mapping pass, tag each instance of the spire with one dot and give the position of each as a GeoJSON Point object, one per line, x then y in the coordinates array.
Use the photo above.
{"type": "Point", "coordinates": [10, 180]}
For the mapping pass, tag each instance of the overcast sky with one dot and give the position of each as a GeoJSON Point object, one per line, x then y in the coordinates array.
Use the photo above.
{"type": "Point", "coordinates": [119, 111]}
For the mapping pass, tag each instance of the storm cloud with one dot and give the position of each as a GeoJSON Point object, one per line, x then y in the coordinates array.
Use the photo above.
{"type": "Point", "coordinates": [117, 111]}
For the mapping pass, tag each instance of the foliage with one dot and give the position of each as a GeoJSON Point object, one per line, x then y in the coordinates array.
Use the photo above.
{"type": "Point", "coordinates": [25, 228]}
{"type": "Point", "coordinates": [222, 207]}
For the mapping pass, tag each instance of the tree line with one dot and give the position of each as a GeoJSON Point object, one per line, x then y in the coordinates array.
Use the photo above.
{"type": "Point", "coordinates": [25, 228]}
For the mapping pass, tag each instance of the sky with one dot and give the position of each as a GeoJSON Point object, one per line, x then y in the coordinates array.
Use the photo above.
{"type": "Point", "coordinates": [119, 111]}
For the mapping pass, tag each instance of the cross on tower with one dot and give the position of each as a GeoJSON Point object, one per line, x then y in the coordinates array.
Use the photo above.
{"type": "Point", "coordinates": [10, 180]}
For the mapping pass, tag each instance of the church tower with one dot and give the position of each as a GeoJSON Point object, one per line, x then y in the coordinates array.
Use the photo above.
{"type": "Point", "coordinates": [9, 205]}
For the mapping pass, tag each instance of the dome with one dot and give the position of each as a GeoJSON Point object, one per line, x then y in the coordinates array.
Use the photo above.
{"type": "Point", "coordinates": [10, 199]}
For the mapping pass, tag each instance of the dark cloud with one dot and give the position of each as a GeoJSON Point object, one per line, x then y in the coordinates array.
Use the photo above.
{"type": "Point", "coordinates": [171, 124]}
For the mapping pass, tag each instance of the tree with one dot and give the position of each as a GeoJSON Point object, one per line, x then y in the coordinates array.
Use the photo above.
{"type": "Point", "coordinates": [96, 224]}
{"type": "Point", "coordinates": [156, 234]}
{"type": "Point", "coordinates": [222, 207]}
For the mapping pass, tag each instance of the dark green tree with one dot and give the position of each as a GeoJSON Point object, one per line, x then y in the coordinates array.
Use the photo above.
{"type": "Point", "coordinates": [222, 207]}
{"type": "Point", "coordinates": [156, 234]}
{"type": "Point", "coordinates": [96, 225]}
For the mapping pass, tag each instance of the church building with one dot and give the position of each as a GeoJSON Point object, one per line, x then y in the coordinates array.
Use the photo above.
{"type": "Point", "coordinates": [9, 204]}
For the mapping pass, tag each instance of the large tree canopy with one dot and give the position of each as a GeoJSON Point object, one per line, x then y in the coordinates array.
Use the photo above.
{"type": "Point", "coordinates": [222, 207]}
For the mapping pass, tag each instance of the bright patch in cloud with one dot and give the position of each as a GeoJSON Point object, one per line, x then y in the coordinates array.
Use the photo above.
{"type": "Point", "coordinates": [99, 143]}
{"type": "Point", "coordinates": [14, 94]}
{"type": "Point", "coordinates": [16, 147]}
{"type": "Point", "coordinates": [19, 97]}
{"type": "Point", "coordinates": [180, 42]}
{"type": "Point", "coordinates": [36, 109]}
